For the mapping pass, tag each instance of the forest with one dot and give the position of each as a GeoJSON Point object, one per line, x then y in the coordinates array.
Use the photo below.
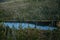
{"type": "Point", "coordinates": [30, 10]}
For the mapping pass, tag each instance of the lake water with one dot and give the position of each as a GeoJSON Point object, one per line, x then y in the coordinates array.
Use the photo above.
{"type": "Point", "coordinates": [25, 25]}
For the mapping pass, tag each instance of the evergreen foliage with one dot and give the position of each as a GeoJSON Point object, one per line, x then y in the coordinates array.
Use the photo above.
{"type": "Point", "coordinates": [30, 10]}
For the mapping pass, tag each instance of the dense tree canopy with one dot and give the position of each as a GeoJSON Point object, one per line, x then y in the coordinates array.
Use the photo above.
{"type": "Point", "coordinates": [30, 10]}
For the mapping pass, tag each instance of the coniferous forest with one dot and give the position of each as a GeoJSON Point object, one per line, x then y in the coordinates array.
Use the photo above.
{"type": "Point", "coordinates": [30, 10]}
{"type": "Point", "coordinates": [42, 18]}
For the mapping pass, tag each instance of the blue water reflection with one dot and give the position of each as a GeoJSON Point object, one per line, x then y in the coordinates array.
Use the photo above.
{"type": "Point", "coordinates": [25, 25]}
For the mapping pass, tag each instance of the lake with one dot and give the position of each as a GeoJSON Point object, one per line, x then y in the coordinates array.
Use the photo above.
{"type": "Point", "coordinates": [25, 25]}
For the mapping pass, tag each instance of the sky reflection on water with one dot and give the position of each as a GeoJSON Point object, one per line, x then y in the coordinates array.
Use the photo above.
{"type": "Point", "coordinates": [25, 25]}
